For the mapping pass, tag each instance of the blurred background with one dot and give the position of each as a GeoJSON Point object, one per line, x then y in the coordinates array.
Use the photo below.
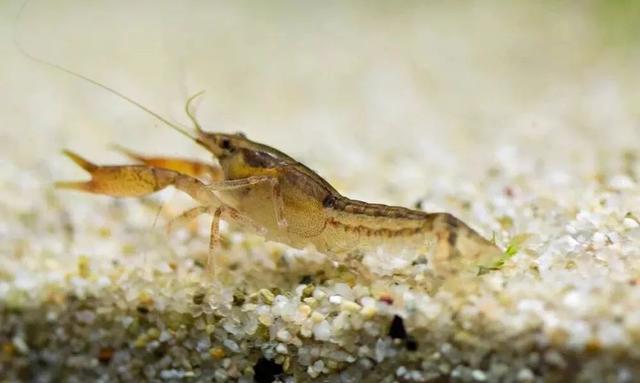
{"type": "Point", "coordinates": [385, 100]}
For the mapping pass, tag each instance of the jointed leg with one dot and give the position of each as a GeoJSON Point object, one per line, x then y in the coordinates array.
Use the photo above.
{"type": "Point", "coordinates": [140, 180]}
{"type": "Point", "coordinates": [198, 169]}
{"type": "Point", "coordinates": [187, 216]}
{"type": "Point", "coordinates": [136, 181]}
{"type": "Point", "coordinates": [276, 192]}
{"type": "Point", "coordinates": [217, 213]}
{"type": "Point", "coordinates": [231, 213]}
{"type": "Point", "coordinates": [181, 165]}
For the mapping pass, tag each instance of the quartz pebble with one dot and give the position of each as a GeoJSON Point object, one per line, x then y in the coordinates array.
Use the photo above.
{"type": "Point", "coordinates": [335, 299]}
{"type": "Point", "coordinates": [322, 331]}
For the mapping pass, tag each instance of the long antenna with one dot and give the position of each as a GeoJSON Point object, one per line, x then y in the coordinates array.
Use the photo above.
{"type": "Point", "coordinates": [131, 101]}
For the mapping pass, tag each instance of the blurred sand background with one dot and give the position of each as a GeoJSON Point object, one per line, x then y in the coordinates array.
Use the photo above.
{"type": "Point", "coordinates": [370, 93]}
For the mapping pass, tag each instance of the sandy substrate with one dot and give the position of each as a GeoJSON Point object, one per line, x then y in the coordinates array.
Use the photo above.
{"type": "Point", "coordinates": [521, 121]}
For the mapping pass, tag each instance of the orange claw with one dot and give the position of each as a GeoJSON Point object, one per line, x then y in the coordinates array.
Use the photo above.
{"type": "Point", "coordinates": [119, 181]}
{"type": "Point", "coordinates": [189, 167]}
